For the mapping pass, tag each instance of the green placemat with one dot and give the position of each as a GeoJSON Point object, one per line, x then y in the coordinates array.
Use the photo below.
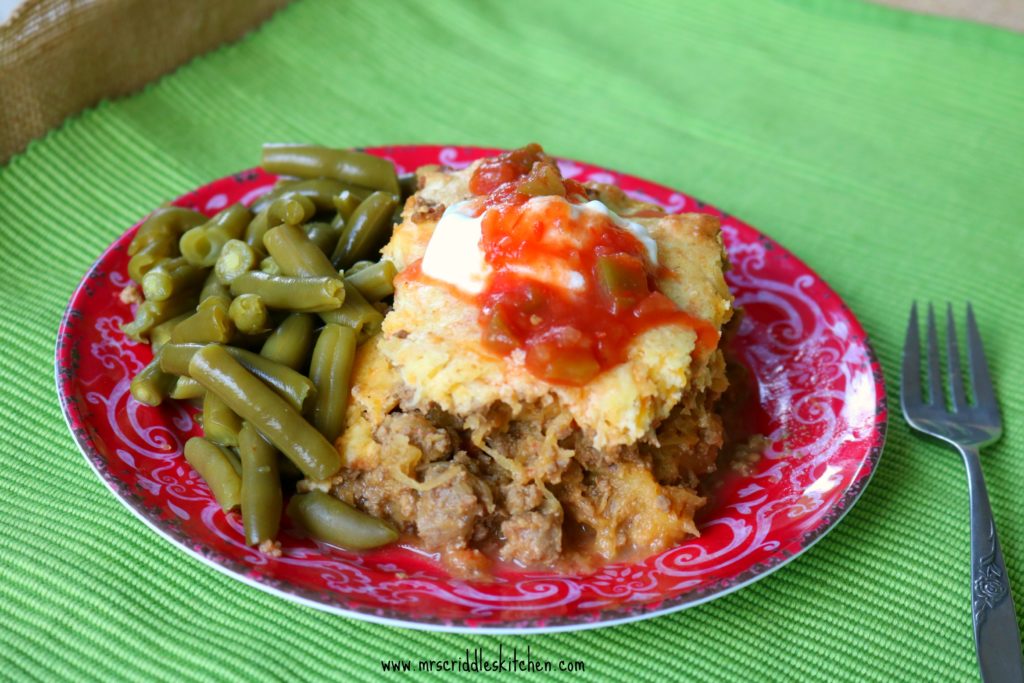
{"type": "Point", "coordinates": [885, 149]}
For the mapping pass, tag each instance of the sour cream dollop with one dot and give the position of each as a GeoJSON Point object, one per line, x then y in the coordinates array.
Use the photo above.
{"type": "Point", "coordinates": [455, 254]}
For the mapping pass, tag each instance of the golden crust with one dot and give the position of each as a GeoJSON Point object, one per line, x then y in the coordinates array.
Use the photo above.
{"type": "Point", "coordinates": [432, 337]}
{"type": "Point", "coordinates": [375, 387]}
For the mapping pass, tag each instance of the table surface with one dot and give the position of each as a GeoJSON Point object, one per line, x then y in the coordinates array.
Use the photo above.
{"type": "Point", "coordinates": [885, 149]}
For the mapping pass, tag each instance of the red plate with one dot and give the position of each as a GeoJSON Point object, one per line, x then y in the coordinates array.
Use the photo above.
{"type": "Point", "coordinates": [821, 405]}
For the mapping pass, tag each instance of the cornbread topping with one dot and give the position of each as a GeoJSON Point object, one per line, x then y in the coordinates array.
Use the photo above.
{"type": "Point", "coordinates": [559, 276]}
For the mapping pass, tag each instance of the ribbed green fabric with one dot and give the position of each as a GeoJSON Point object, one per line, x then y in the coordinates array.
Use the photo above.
{"type": "Point", "coordinates": [885, 149]}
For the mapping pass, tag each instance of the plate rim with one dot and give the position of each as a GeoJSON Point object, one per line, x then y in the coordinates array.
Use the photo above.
{"type": "Point", "coordinates": [638, 612]}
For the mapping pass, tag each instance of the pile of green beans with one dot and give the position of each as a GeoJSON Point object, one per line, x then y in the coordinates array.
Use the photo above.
{"type": "Point", "coordinates": [256, 313]}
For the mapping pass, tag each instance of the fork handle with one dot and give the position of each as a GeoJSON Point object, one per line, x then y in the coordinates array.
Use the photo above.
{"type": "Point", "coordinates": [996, 635]}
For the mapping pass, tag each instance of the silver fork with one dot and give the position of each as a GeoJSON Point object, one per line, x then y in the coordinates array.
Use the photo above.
{"type": "Point", "coordinates": [968, 427]}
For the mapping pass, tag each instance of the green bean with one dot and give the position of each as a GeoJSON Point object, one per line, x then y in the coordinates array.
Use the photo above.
{"type": "Point", "coordinates": [249, 314]}
{"type": "Point", "coordinates": [299, 257]}
{"type": "Point", "coordinates": [349, 166]}
{"type": "Point", "coordinates": [374, 282]}
{"type": "Point", "coordinates": [338, 226]}
{"type": "Point", "coordinates": [269, 266]}
{"type": "Point", "coordinates": [408, 183]}
{"type": "Point", "coordinates": [161, 334]}
{"type": "Point", "coordinates": [220, 424]}
{"type": "Point", "coordinates": [174, 358]}
{"type": "Point", "coordinates": [166, 222]}
{"type": "Point", "coordinates": [149, 314]}
{"type": "Point", "coordinates": [323, 235]}
{"type": "Point", "coordinates": [186, 388]}
{"type": "Point", "coordinates": [236, 257]}
{"type": "Point", "coordinates": [266, 219]}
{"type": "Point", "coordinates": [291, 342]}
{"type": "Point", "coordinates": [202, 245]}
{"type": "Point", "coordinates": [327, 519]}
{"type": "Point", "coordinates": [288, 208]}
{"type": "Point", "coordinates": [296, 255]}
{"type": "Point", "coordinates": [321, 191]}
{"type": "Point", "coordinates": [171, 277]}
{"type": "Point", "coordinates": [357, 266]}
{"type": "Point", "coordinates": [236, 462]}
{"type": "Point", "coordinates": [151, 385]}
{"type": "Point", "coordinates": [331, 369]}
{"type": "Point", "coordinates": [357, 313]}
{"type": "Point", "coordinates": [273, 416]}
{"type": "Point", "coordinates": [150, 256]}
{"type": "Point", "coordinates": [298, 294]}
{"type": "Point", "coordinates": [295, 209]}
{"type": "Point", "coordinates": [261, 487]}
{"type": "Point", "coordinates": [295, 388]}
{"type": "Point", "coordinates": [257, 227]}
{"type": "Point", "coordinates": [345, 204]}
{"type": "Point", "coordinates": [212, 287]}
{"type": "Point", "coordinates": [366, 230]}
{"type": "Point", "coordinates": [214, 466]}
{"type": "Point", "coordinates": [209, 324]}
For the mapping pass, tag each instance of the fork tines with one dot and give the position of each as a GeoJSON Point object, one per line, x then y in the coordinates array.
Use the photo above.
{"type": "Point", "coordinates": [982, 395]}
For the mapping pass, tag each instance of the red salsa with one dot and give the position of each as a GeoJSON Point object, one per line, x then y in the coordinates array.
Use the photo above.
{"type": "Point", "coordinates": [570, 292]}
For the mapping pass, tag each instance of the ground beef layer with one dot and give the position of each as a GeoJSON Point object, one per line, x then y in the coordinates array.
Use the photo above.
{"type": "Point", "coordinates": [532, 490]}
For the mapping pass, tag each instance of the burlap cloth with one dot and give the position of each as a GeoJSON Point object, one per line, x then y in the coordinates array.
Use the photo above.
{"type": "Point", "coordinates": [59, 56]}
